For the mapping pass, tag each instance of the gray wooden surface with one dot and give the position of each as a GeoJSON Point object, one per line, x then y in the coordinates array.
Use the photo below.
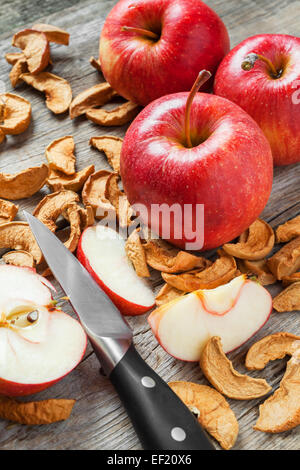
{"type": "Point", "coordinates": [98, 420]}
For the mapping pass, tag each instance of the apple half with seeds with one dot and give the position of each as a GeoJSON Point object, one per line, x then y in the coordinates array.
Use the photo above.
{"type": "Point", "coordinates": [101, 250]}
{"type": "Point", "coordinates": [234, 311]}
{"type": "Point", "coordinates": [39, 344]}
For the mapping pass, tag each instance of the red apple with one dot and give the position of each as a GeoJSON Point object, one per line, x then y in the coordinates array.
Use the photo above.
{"type": "Point", "coordinates": [39, 344]}
{"type": "Point", "coordinates": [101, 250]}
{"type": "Point", "coordinates": [208, 152]}
{"type": "Point", "coordinates": [151, 48]}
{"type": "Point", "coordinates": [266, 85]}
{"type": "Point", "coordinates": [235, 312]}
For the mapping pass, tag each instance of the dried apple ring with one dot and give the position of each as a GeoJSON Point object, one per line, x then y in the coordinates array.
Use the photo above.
{"type": "Point", "coordinates": [286, 261]}
{"type": "Point", "coordinates": [259, 268]}
{"type": "Point", "coordinates": [8, 211]}
{"type": "Point", "coordinates": [212, 410]}
{"type": "Point", "coordinates": [254, 244]}
{"type": "Point", "coordinates": [97, 95]}
{"type": "Point", "coordinates": [23, 184]}
{"type": "Point", "coordinates": [58, 181]}
{"type": "Point", "coordinates": [270, 348]}
{"type": "Point", "coordinates": [57, 90]}
{"type": "Point", "coordinates": [111, 146]}
{"type": "Point", "coordinates": [93, 194]}
{"type": "Point", "coordinates": [166, 294]}
{"type": "Point", "coordinates": [16, 114]}
{"type": "Point", "coordinates": [135, 252]}
{"type": "Point", "coordinates": [115, 117]}
{"type": "Point", "coordinates": [52, 206]}
{"type": "Point", "coordinates": [60, 155]}
{"type": "Point", "coordinates": [19, 258]}
{"type": "Point", "coordinates": [289, 299]}
{"type": "Point", "coordinates": [210, 276]}
{"type": "Point", "coordinates": [220, 373]}
{"type": "Point", "coordinates": [35, 47]}
{"type": "Point", "coordinates": [281, 412]}
{"type": "Point", "coordinates": [53, 33]}
{"type": "Point", "coordinates": [288, 231]}
{"type": "Point", "coordinates": [119, 201]}
{"type": "Point", "coordinates": [18, 236]}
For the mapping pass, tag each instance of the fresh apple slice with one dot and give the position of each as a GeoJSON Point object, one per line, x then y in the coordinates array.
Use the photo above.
{"type": "Point", "coordinates": [39, 345]}
{"type": "Point", "coordinates": [235, 312]}
{"type": "Point", "coordinates": [101, 250]}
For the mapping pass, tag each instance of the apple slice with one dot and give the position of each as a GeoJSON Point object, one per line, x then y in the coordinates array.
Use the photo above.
{"type": "Point", "coordinates": [101, 250]}
{"type": "Point", "coordinates": [39, 344]}
{"type": "Point", "coordinates": [234, 311]}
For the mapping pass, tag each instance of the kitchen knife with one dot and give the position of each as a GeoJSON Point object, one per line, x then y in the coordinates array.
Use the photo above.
{"type": "Point", "coordinates": [160, 419]}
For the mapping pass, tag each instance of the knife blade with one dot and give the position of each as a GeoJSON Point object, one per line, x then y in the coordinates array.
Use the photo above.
{"type": "Point", "coordinates": [160, 418]}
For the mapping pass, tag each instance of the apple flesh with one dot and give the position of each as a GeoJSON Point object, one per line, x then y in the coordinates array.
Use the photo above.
{"type": "Point", "coordinates": [235, 312]}
{"type": "Point", "coordinates": [190, 37]}
{"type": "Point", "coordinates": [229, 168]}
{"type": "Point", "coordinates": [101, 250]}
{"type": "Point", "coordinates": [39, 345]}
{"type": "Point", "coordinates": [272, 100]}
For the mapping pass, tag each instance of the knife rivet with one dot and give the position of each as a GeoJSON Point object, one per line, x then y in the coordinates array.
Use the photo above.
{"type": "Point", "coordinates": [178, 434]}
{"type": "Point", "coordinates": [148, 382]}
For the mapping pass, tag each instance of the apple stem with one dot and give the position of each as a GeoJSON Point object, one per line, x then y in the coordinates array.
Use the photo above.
{"type": "Point", "coordinates": [250, 59]}
{"type": "Point", "coordinates": [203, 76]}
{"type": "Point", "coordinates": [141, 32]}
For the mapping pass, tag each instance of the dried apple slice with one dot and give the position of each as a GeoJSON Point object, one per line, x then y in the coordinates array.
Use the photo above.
{"type": "Point", "coordinates": [53, 33]}
{"type": "Point", "coordinates": [135, 252]}
{"type": "Point", "coordinates": [119, 201]}
{"type": "Point", "coordinates": [97, 95]}
{"type": "Point", "coordinates": [18, 236]}
{"type": "Point", "coordinates": [286, 261]}
{"type": "Point", "coordinates": [52, 206]}
{"type": "Point", "coordinates": [35, 47]}
{"type": "Point", "coordinates": [219, 371]}
{"type": "Point", "coordinates": [281, 412]}
{"type": "Point", "coordinates": [115, 117]}
{"type": "Point", "coordinates": [71, 212]}
{"type": "Point", "coordinates": [254, 244]}
{"type": "Point", "coordinates": [60, 155]}
{"type": "Point", "coordinates": [259, 269]}
{"type": "Point", "coordinates": [111, 146]}
{"type": "Point", "coordinates": [288, 231]}
{"type": "Point", "coordinates": [17, 70]}
{"type": "Point", "coordinates": [58, 181]}
{"type": "Point", "coordinates": [19, 258]}
{"type": "Point", "coordinates": [212, 410]}
{"type": "Point", "coordinates": [289, 299]}
{"type": "Point", "coordinates": [23, 184]}
{"type": "Point", "coordinates": [8, 211]}
{"type": "Point", "coordinates": [270, 348]}
{"type": "Point", "coordinates": [16, 114]}
{"type": "Point", "coordinates": [57, 90]}
{"type": "Point", "coordinates": [166, 294]}
{"type": "Point", "coordinates": [96, 64]}
{"type": "Point", "coordinates": [93, 194]}
{"type": "Point", "coordinates": [223, 270]}
{"type": "Point", "coordinates": [166, 258]}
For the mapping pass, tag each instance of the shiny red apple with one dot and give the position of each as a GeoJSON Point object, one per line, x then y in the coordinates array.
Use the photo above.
{"type": "Point", "coordinates": [262, 75]}
{"type": "Point", "coordinates": [207, 152]}
{"type": "Point", "coordinates": [150, 48]}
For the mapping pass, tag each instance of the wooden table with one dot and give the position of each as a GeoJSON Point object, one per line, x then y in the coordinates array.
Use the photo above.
{"type": "Point", "coordinates": [98, 420]}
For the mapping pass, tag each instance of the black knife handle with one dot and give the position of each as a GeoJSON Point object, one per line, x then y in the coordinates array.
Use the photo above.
{"type": "Point", "coordinates": [160, 418]}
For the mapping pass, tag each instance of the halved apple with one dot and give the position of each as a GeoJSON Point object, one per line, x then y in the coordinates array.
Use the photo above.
{"type": "Point", "coordinates": [39, 344]}
{"type": "Point", "coordinates": [101, 250]}
{"type": "Point", "coordinates": [234, 311]}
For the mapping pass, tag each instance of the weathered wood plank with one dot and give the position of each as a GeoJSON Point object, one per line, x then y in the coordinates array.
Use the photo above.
{"type": "Point", "coordinates": [98, 420]}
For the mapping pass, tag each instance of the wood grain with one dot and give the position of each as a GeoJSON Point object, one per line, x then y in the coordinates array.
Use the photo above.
{"type": "Point", "coordinates": [98, 420]}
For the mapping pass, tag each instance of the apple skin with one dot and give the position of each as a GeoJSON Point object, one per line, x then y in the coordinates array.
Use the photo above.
{"type": "Point", "coordinates": [193, 38]}
{"type": "Point", "coordinates": [230, 172]}
{"type": "Point", "coordinates": [269, 101]}
{"type": "Point", "coordinates": [126, 307]}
